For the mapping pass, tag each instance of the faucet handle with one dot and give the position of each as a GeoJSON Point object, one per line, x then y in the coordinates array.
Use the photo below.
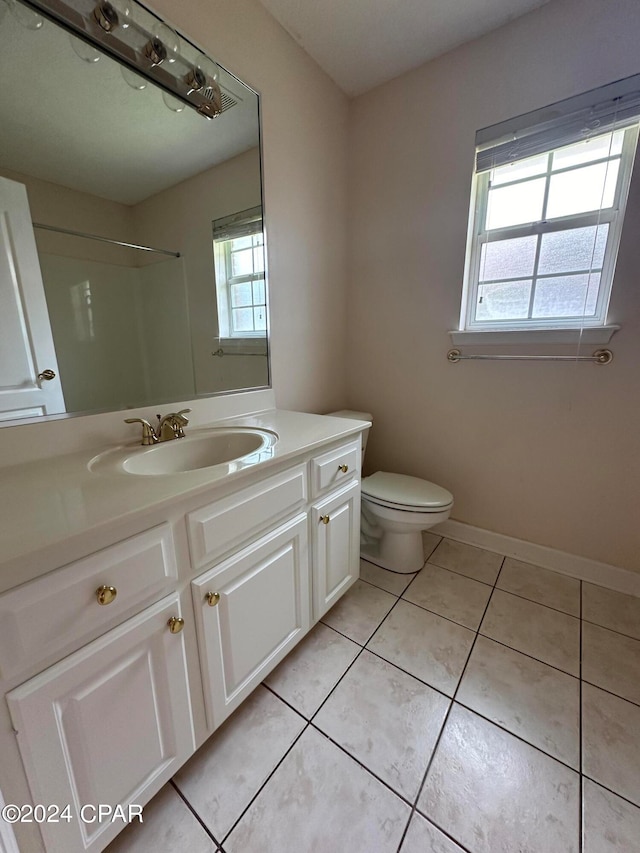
{"type": "Point", "coordinates": [180, 422]}
{"type": "Point", "coordinates": [148, 435]}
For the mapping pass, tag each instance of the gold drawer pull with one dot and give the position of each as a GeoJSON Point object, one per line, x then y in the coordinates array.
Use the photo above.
{"type": "Point", "coordinates": [176, 624]}
{"type": "Point", "coordinates": [106, 594]}
{"type": "Point", "coordinates": [325, 519]}
{"type": "Point", "coordinates": [212, 598]}
{"type": "Point", "coordinates": [343, 468]}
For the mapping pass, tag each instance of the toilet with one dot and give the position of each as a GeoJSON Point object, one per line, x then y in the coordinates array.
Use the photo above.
{"type": "Point", "coordinates": [396, 509]}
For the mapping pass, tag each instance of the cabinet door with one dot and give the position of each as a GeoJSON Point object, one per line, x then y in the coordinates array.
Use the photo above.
{"type": "Point", "coordinates": [107, 725]}
{"type": "Point", "coordinates": [336, 546]}
{"type": "Point", "coordinates": [250, 611]}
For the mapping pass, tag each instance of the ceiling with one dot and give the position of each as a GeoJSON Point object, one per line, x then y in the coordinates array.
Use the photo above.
{"type": "Point", "coordinates": [362, 43]}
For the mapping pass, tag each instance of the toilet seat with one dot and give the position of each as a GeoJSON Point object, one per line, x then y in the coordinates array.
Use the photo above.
{"type": "Point", "coordinates": [411, 494]}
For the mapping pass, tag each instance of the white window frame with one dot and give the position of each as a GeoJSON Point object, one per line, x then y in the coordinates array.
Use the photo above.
{"type": "Point", "coordinates": [246, 223]}
{"type": "Point", "coordinates": [477, 236]}
{"type": "Point", "coordinates": [228, 280]}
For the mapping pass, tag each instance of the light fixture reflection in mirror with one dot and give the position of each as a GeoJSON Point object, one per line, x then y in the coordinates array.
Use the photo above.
{"type": "Point", "coordinates": [127, 195]}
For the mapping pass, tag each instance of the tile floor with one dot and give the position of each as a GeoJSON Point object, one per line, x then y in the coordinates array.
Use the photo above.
{"type": "Point", "coordinates": [481, 705]}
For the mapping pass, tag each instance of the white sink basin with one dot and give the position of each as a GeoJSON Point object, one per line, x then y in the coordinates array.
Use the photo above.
{"type": "Point", "coordinates": [233, 447]}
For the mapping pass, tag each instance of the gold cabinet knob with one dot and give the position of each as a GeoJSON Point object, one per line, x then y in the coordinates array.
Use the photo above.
{"type": "Point", "coordinates": [325, 519]}
{"type": "Point", "coordinates": [343, 468]}
{"type": "Point", "coordinates": [106, 594]}
{"type": "Point", "coordinates": [212, 598]}
{"type": "Point", "coordinates": [176, 624]}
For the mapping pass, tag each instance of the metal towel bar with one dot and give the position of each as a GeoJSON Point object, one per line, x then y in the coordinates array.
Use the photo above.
{"type": "Point", "coordinates": [600, 356]}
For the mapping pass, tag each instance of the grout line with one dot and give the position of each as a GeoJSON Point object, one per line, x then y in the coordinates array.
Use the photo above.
{"type": "Point", "coordinates": [613, 630]}
{"type": "Point", "coordinates": [362, 648]}
{"type": "Point", "coordinates": [382, 589]}
{"type": "Point", "coordinates": [448, 618]}
{"type": "Point", "coordinates": [534, 601]}
{"type": "Point", "coordinates": [527, 655]}
{"type": "Point", "coordinates": [282, 699]}
{"type": "Point", "coordinates": [368, 770]}
{"type": "Point", "coordinates": [517, 736]}
{"type": "Point", "coordinates": [462, 574]}
{"type": "Point", "coordinates": [611, 791]}
{"type": "Point", "coordinates": [538, 603]}
{"type": "Point", "coordinates": [448, 714]}
{"type": "Point", "coordinates": [194, 812]}
{"type": "Point", "coordinates": [610, 692]}
{"type": "Point", "coordinates": [261, 788]}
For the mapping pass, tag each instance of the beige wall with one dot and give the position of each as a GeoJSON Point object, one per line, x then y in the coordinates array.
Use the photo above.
{"type": "Point", "coordinates": [544, 452]}
{"type": "Point", "coordinates": [304, 122]}
{"type": "Point", "coordinates": [182, 217]}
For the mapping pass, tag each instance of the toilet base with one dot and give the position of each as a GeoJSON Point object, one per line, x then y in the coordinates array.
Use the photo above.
{"type": "Point", "coordinates": [398, 552]}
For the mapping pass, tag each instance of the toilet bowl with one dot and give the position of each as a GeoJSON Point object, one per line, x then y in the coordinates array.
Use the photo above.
{"type": "Point", "coordinates": [396, 509]}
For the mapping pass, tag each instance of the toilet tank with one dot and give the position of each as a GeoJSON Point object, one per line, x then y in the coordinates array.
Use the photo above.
{"type": "Point", "coordinates": [355, 416]}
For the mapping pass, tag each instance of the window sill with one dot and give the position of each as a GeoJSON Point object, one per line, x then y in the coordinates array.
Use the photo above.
{"type": "Point", "coordinates": [594, 335]}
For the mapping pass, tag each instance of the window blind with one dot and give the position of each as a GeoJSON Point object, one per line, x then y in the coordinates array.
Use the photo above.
{"type": "Point", "coordinates": [242, 224]}
{"type": "Point", "coordinates": [598, 111]}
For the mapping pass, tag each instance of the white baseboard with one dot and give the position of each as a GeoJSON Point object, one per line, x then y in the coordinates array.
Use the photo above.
{"type": "Point", "coordinates": [612, 577]}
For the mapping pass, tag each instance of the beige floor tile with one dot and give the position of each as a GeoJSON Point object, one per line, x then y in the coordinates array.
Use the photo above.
{"type": "Point", "coordinates": [167, 825]}
{"type": "Point", "coordinates": [610, 742]}
{"type": "Point", "coordinates": [433, 649]}
{"type": "Point", "coordinates": [611, 661]}
{"type": "Point", "coordinates": [450, 595]}
{"type": "Point", "coordinates": [387, 720]}
{"type": "Point", "coordinates": [530, 699]}
{"type": "Point", "coordinates": [430, 542]}
{"type": "Point", "coordinates": [495, 794]}
{"type": "Point", "coordinates": [360, 611]}
{"type": "Point", "coordinates": [467, 560]}
{"type": "Point", "coordinates": [228, 770]}
{"type": "Point", "coordinates": [545, 634]}
{"type": "Point", "coordinates": [541, 585]}
{"type": "Point", "coordinates": [307, 675]}
{"type": "Point", "coordinates": [392, 582]}
{"type": "Point", "coordinates": [321, 801]}
{"type": "Point", "coordinates": [423, 837]}
{"type": "Point", "coordinates": [610, 825]}
{"type": "Point", "coordinates": [611, 609]}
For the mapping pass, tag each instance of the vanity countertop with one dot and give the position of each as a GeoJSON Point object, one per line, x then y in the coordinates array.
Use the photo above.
{"type": "Point", "coordinates": [62, 502]}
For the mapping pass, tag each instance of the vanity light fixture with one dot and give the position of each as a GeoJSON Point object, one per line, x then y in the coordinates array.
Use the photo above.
{"type": "Point", "coordinates": [145, 47]}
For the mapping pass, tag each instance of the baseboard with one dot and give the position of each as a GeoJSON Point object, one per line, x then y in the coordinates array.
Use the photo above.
{"type": "Point", "coordinates": [612, 577]}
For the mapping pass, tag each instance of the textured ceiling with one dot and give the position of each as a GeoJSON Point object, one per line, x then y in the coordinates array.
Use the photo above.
{"type": "Point", "coordinates": [362, 43]}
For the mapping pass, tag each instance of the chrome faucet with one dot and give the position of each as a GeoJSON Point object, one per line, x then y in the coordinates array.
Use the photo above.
{"type": "Point", "coordinates": [169, 427]}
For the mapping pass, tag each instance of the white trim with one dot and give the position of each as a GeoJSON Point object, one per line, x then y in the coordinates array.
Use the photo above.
{"type": "Point", "coordinates": [602, 574]}
{"type": "Point", "coordinates": [588, 335]}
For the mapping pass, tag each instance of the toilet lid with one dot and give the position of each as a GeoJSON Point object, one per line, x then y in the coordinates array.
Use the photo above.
{"type": "Point", "coordinates": [407, 491]}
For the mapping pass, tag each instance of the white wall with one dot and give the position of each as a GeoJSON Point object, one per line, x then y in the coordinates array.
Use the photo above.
{"type": "Point", "coordinates": [181, 217]}
{"type": "Point", "coordinates": [304, 122]}
{"type": "Point", "coordinates": [544, 452]}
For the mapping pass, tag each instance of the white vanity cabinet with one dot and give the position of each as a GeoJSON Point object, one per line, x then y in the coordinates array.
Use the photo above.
{"type": "Point", "coordinates": [107, 725]}
{"type": "Point", "coordinates": [335, 525]}
{"type": "Point", "coordinates": [250, 611]}
{"type": "Point", "coordinates": [103, 700]}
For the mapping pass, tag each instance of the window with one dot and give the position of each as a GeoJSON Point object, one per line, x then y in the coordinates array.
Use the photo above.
{"type": "Point", "coordinates": [545, 228]}
{"type": "Point", "coordinates": [240, 275]}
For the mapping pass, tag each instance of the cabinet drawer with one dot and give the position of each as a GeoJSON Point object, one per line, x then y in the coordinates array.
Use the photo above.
{"type": "Point", "coordinates": [334, 468]}
{"type": "Point", "coordinates": [219, 526]}
{"type": "Point", "coordinates": [56, 613]}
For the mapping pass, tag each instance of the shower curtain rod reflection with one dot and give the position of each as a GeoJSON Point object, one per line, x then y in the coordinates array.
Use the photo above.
{"type": "Point", "coordinates": [104, 239]}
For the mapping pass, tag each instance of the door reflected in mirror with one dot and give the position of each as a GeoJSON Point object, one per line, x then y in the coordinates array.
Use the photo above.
{"type": "Point", "coordinates": [131, 234]}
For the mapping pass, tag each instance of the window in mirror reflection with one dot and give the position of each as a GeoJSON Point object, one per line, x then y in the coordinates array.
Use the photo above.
{"type": "Point", "coordinates": [240, 274]}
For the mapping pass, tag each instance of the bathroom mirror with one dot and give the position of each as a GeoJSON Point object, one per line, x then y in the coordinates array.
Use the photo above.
{"type": "Point", "coordinates": [131, 233]}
